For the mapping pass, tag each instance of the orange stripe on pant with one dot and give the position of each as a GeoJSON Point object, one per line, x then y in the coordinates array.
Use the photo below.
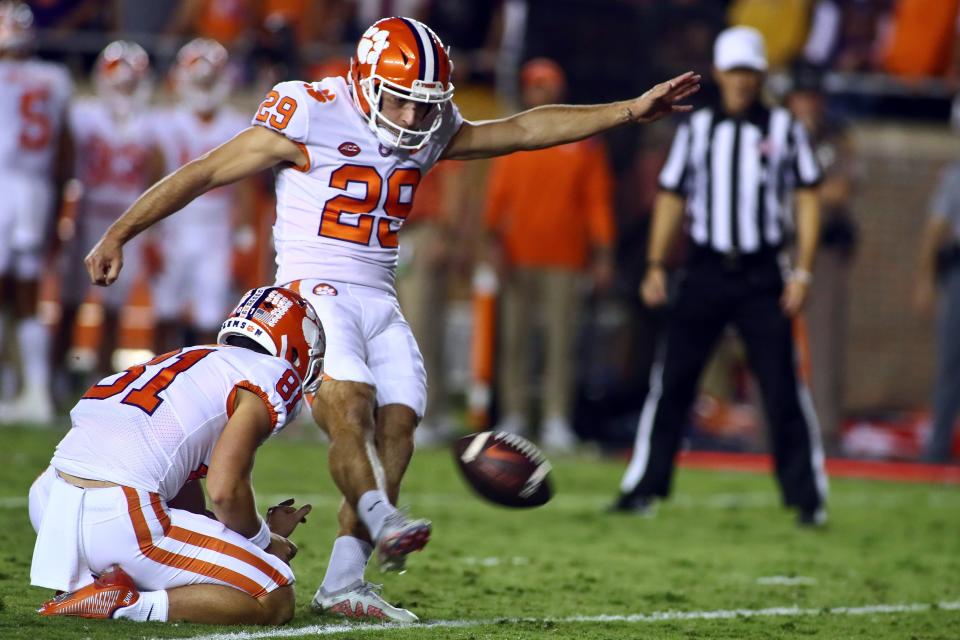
{"type": "Point", "coordinates": [214, 544]}
{"type": "Point", "coordinates": [227, 549]}
{"type": "Point", "coordinates": [170, 559]}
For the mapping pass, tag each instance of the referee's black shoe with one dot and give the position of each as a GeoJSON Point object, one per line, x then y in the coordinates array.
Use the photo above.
{"type": "Point", "coordinates": [633, 504]}
{"type": "Point", "coordinates": [815, 518]}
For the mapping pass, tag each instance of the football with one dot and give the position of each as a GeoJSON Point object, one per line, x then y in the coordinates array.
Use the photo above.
{"type": "Point", "coordinates": [504, 468]}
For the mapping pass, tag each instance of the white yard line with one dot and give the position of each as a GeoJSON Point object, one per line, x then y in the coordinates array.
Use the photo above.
{"type": "Point", "coordinates": [786, 581]}
{"type": "Point", "coordinates": [660, 616]}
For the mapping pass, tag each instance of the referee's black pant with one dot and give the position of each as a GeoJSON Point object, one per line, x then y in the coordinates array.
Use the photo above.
{"type": "Point", "coordinates": [714, 292]}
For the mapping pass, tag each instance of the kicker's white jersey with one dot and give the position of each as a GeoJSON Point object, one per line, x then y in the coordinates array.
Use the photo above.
{"type": "Point", "coordinates": [33, 100]}
{"type": "Point", "coordinates": [112, 156]}
{"type": "Point", "coordinates": [153, 427]}
{"type": "Point", "coordinates": [339, 213]}
{"type": "Point", "coordinates": [185, 137]}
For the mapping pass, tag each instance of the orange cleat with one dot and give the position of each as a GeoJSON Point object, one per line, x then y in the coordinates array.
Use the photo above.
{"type": "Point", "coordinates": [111, 591]}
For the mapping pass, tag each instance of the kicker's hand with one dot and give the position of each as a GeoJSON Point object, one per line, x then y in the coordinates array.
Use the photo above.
{"type": "Point", "coordinates": [283, 518]}
{"type": "Point", "coordinates": [105, 261]}
{"type": "Point", "coordinates": [664, 98]}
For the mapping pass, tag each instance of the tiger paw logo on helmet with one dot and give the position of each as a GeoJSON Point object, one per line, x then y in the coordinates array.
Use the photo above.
{"type": "Point", "coordinates": [372, 44]}
{"type": "Point", "coordinates": [403, 58]}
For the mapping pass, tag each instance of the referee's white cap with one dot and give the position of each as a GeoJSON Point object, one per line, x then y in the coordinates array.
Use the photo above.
{"type": "Point", "coordinates": [740, 48]}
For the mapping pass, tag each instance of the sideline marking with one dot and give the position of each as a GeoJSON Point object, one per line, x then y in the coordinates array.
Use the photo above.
{"type": "Point", "coordinates": [659, 616]}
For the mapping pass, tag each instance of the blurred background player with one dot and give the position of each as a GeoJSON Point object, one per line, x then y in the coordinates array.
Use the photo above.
{"type": "Point", "coordinates": [34, 163]}
{"type": "Point", "coordinates": [549, 218]}
{"type": "Point", "coordinates": [116, 159]}
{"type": "Point", "coordinates": [939, 265]}
{"type": "Point", "coordinates": [120, 512]}
{"type": "Point", "coordinates": [828, 308]}
{"type": "Point", "coordinates": [195, 248]}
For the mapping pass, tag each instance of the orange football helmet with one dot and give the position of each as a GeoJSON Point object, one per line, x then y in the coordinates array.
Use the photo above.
{"type": "Point", "coordinates": [285, 325]}
{"type": "Point", "coordinates": [403, 57]}
{"type": "Point", "coordinates": [121, 75]}
{"type": "Point", "coordinates": [16, 26]}
{"type": "Point", "coordinates": [200, 75]}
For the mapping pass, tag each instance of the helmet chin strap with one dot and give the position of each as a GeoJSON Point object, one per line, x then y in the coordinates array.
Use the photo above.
{"type": "Point", "coordinates": [388, 132]}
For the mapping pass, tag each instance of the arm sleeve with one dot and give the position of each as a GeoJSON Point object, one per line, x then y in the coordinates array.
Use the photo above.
{"type": "Point", "coordinates": [674, 171]}
{"type": "Point", "coordinates": [805, 166]}
{"type": "Point", "coordinates": [278, 386]}
{"type": "Point", "coordinates": [598, 192]}
{"type": "Point", "coordinates": [285, 110]}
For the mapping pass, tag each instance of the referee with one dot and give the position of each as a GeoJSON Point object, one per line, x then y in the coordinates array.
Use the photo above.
{"type": "Point", "coordinates": [732, 169]}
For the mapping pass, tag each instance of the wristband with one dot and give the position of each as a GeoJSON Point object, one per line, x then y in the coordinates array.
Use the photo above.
{"type": "Point", "coordinates": [802, 276]}
{"type": "Point", "coordinates": [262, 539]}
{"type": "Point", "coordinates": [654, 264]}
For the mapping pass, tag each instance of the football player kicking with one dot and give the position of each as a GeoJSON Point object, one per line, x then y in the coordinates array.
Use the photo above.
{"type": "Point", "coordinates": [349, 154]}
{"type": "Point", "coordinates": [139, 443]}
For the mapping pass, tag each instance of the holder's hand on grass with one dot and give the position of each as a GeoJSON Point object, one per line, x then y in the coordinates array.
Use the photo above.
{"type": "Point", "coordinates": [284, 517]}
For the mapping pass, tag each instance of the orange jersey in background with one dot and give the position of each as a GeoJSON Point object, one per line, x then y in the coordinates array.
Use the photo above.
{"type": "Point", "coordinates": [224, 20]}
{"type": "Point", "coordinates": [433, 197]}
{"type": "Point", "coordinates": [922, 37]}
{"type": "Point", "coordinates": [551, 207]}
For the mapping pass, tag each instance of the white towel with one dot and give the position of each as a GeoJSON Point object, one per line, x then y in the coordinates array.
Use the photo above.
{"type": "Point", "coordinates": [57, 557]}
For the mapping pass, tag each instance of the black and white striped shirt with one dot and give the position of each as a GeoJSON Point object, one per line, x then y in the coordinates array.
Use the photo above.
{"type": "Point", "coordinates": [738, 174]}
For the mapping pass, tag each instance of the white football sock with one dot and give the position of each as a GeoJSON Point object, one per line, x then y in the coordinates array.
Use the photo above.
{"type": "Point", "coordinates": [348, 560]}
{"type": "Point", "coordinates": [153, 606]}
{"type": "Point", "coordinates": [34, 339]}
{"type": "Point", "coordinates": [373, 507]}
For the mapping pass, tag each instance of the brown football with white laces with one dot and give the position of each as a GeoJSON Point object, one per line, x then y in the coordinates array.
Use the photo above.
{"type": "Point", "coordinates": [504, 468]}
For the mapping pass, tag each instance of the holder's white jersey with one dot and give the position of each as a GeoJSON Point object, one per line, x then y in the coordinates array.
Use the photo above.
{"type": "Point", "coordinates": [153, 427]}
{"type": "Point", "coordinates": [112, 155]}
{"type": "Point", "coordinates": [33, 101]}
{"type": "Point", "coordinates": [185, 137]}
{"type": "Point", "coordinates": [339, 213]}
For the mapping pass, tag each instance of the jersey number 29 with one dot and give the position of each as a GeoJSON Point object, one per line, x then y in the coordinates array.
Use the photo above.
{"type": "Point", "coordinates": [401, 182]}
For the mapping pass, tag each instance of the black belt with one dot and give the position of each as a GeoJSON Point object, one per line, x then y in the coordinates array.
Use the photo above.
{"type": "Point", "coordinates": [732, 260]}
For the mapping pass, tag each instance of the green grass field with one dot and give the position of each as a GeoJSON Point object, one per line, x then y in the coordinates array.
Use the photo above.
{"type": "Point", "coordinates": [721, 560]}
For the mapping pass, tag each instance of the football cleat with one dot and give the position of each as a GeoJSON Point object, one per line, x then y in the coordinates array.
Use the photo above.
{"type": "Point", "coordinates": [113, 590]}
{"type": "Point", "coordinates": [360, 601]}
{"type": "Point", "coordinates": [815, 518]}
{"type": "Point", "coordinates": [634, 504]}
{"type": "Point", "coordinates": [398, 537]}
{"type": "Point", "coordinates": [32, 407]}
{"type": "Point", "coordinates": [557, 436]}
